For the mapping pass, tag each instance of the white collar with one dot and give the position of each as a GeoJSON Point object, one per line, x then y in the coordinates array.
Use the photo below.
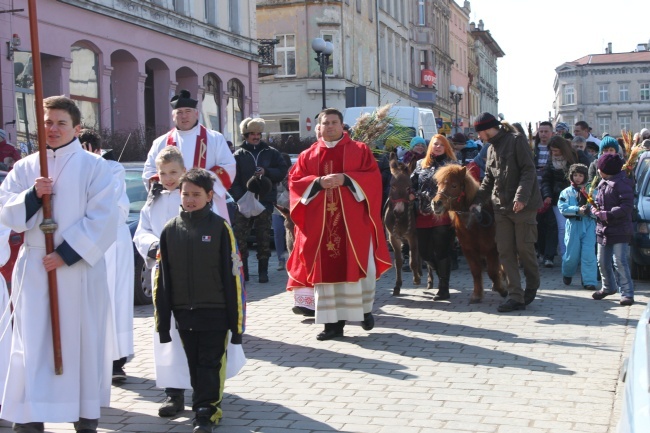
{"type": "Point", "coordinates": [331, 144]}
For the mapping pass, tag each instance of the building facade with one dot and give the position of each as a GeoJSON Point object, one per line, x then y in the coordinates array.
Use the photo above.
{"type": "Point", "coordinates": [458, 49]}
{"type": "Point", "coordinates": [123, 76]}
{"type": "Point", "coordinates": [610, 91]}
{"type": "Point", "coordinates": [487, 53]}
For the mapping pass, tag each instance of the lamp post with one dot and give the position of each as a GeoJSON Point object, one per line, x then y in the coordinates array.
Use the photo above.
{"type": "Point", "coordinates": [323, 52]}
{"type": "Point", "coordinates": [456, 95]}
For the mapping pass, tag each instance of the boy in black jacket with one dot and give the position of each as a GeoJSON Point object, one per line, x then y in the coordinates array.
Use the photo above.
{"type": "Point", "coordinates": [197, 280]}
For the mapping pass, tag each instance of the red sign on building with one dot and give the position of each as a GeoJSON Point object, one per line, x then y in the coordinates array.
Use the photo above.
{"type": "Point", "coordinates": [428, 78]}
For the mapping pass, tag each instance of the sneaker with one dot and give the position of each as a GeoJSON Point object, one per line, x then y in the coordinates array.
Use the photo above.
{"type": "Point", "coordinates": [566, 281]}
{"type": "Point", "coordinates": [118, 374]}
{"type": "Point", "coordinates": [626, 300]}
{"type": "Point", "coordinates": [281, 265]}
{"type": "Point", "coordinates": [511, 305]}
{"type": "Point", "coordinates": [600, 294]}
{"type": "Point", "coordinates": [172, 405]}
{"type": "Point", "coordinates": [548, 263]}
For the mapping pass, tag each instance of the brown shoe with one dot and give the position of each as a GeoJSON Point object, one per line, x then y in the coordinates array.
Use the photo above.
{"type": "Point", "coordinates": [600, 294]}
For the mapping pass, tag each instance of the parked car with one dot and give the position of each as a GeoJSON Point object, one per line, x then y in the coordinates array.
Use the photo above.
{"type": "Point", "coordinates": [640, 245]}
{"type": "Point", "coordinates": [635, 414]}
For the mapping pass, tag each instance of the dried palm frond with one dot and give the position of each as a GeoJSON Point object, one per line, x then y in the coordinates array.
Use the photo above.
{"type": "Point", "coordinates": [377, 127]}
{"type": "Point", "coordinates": [633, 157]}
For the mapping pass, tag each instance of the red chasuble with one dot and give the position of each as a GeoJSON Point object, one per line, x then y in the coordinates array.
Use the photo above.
{"type": "Point", "coordinates": [334, 231]}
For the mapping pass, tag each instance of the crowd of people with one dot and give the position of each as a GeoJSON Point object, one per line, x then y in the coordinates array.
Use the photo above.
{"type": "Point", "coordinates": [554, 194]}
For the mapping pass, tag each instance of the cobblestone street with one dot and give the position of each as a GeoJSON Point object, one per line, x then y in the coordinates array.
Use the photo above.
{"type": "Point", "coordinates": [443, 366]}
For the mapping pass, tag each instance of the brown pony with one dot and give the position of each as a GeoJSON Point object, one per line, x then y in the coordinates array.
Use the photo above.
{"type": "Point", "coordinates": [399, 220]}
{"type": "Point", "coordinates": [475, 231]}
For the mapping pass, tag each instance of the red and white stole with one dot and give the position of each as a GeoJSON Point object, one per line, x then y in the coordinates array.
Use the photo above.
{"type": "Point", "coordinates": [201, 150]}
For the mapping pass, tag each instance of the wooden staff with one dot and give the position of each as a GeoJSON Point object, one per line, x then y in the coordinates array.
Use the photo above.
{"type": "Point", "coordinates": [48, 226]}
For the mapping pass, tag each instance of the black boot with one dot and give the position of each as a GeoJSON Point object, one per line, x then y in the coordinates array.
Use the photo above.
{"type": "Point", "coordinates": [244, 261]}
{"type": "Point", "coordinates": [263, 270]}
{"type": "Point", "coordinates": [173, 404]}
{"type": "Point", "coordinates": [332, 330]}
{"type": "Point", "coordinates": [443, 269]}
{"type": "Point", "coordinates": [368, 322]}
{"type": "Point", "coordinates": [202, 422]}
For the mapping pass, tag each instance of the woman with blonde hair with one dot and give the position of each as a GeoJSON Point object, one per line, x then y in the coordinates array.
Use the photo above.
{"type": "Point", "coordinates": [435, 233]}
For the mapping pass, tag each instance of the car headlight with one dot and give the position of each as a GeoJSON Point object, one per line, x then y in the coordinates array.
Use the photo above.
{"type": "Point", "coordinates": [642, 227]}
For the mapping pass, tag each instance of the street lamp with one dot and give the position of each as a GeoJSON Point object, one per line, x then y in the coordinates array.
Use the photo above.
{"type": "Point", "coordinates": [456, 96]}
{"type": "Point", "coordinates": [323, 52]}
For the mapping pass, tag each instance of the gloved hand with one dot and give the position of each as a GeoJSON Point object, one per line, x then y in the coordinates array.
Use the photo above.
{"type": "Point", "coordinates": [164, 337]}
{"type": "Point", "coordinates": [153, 250]}
{"type": "Point", "coordinates": [601, 215]}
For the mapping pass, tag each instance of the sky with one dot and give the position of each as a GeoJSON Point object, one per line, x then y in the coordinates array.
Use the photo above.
{"type": "Point", "coordinates": [538, 36]}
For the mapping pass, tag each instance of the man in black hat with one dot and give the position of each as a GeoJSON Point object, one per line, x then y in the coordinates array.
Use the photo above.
{"type": "Point", "coordinates": [201, 148]}
{"type": "Point", "coordinates": [511, 183]}
{"type": "Point", "coordinates": [259, 169]}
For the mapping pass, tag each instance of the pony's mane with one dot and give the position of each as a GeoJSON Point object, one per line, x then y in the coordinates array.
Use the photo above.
{"type": "Point", "coordinates": [451, 170]}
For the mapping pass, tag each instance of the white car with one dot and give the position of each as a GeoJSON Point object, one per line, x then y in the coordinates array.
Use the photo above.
{"type": "Point", "coordinates": [635, 414]}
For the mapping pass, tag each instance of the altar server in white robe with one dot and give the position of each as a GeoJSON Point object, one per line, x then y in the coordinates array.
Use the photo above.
{"type": "Point", "coordinates": [84, 207]}
{"type": "Point", "coordinates": [201, 148]}
{"type": "Point", "coordinates": [5, 310]}
{"type": "Point", "coordinates": [119, 262]}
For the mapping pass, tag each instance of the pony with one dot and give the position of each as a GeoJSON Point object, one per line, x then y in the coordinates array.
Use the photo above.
{"type": "Point", "coordinates": [457, 189]}
{"type": "Point", "coordinates": [399, 220]}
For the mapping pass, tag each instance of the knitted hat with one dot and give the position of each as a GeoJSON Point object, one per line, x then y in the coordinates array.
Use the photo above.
{"type": "Point", "coordinates": [459, 138]}
{"type": "Point", "coordinates": [578, 168]}
{"type": "Point", "coordinates": [593, 146]}
{"type": "Point", "coordinates": [417, 140]}
{"type": "Point", "coordinates": [561, 126]}
{"type": "Point", "coordinates": [252, 125]}
{"type": "Point", "coordinates": [644, 133]}
{"type": "Point", "coordinates": [646, 144]}
{"type": "Point", "coordinates": [485, 121]}
{"type": "Point", "coordinates": [610, 163]}
{"type": "Point", "coordinates": [183, 99]}
{"type": "Point", "coordinates": [608, 141]}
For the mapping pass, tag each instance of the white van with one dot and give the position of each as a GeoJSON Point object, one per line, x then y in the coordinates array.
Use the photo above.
{"type": "Point", "coordinates": [420, 121]}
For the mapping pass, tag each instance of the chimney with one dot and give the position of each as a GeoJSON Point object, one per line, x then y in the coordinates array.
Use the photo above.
{"type": "Point", "coordinates": [472, 26]}
{"type": "Point", "coordinates": [480, 25]}
{"type": "Point", "coordinates": [609, 48]}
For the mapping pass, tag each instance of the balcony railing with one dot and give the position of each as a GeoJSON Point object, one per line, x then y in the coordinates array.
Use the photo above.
{"type": "Point", "coordinates": [266, 51]}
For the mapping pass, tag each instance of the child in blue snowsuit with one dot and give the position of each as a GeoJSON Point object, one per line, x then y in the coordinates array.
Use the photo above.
{"type": "Point", "coordinates": [580, 234]}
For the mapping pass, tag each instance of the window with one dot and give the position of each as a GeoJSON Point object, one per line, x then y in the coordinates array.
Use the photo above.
{"type": "Point", "coordinates": [330, 67]}
{"type": "Point", "coordinates": [421, 13]}
{"type": "Point", "coordinates": [233, 15]}
{"type": "Point", "coordinates": [625, 122]}
{"type": "Point", "coordinates": [623, 92]}
{"type": "Point", "coordinates": [371, 10]}
{"type": "Point", "coordinates": [285, 55]}
{"type": "Point", "coordinates": [359, 6]}
{"type": "Point", "coordinates": [234, 110]}
{"type": "Point", "coordinates": [84, 84]}
{"type": "Point", "coordinates": [211, 104]}
{"type": "Point", "coordinates": [644, 120]}
{"type": "Point", "coordinates": [180, 7]}
{"type": "Point", "coordinates": [211, 12]}
{"type": "Point", "coordinates": [603, 93]}
{"type": "Point", "coordinates": [569, 95]}
{"type": "Point", "coordinates": [644, 91]}
{"type": "Point", "coordinates": [603, 124]}
{"type": "Point", "coordinates": [283, 128]}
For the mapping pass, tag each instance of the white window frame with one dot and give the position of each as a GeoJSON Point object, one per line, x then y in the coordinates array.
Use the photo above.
{"type": "Point", "coordinates": [644, 91]}
{"type": "Point", "coordinates": [625, 122]}
{"type": "Point", "coordinates": [569, 97]}
{"type": "Point", "coordinates": [422, 13]}
{"type": "Point", "coordinates": [624, 92]}
{"type": "Point", "coordinates": [281, 51]}
{"type": "Point", "coordinates": [644, 121]}
{"type": "Point", "coordinates": [603, 93]}
{"type": "Point", "coordinates": [604, 124]}
{"type": "Point", "coordinates": [333, 37]}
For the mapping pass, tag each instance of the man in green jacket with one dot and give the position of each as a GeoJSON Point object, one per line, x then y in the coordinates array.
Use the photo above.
{"type": "Point", "coordinates": [511, 183]}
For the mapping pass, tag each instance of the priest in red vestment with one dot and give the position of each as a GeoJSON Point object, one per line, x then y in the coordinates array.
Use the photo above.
{"type": "Point", "coordinates": [340, 247]}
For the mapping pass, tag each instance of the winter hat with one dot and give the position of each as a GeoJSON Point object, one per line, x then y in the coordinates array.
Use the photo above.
{"type": "Point", "coordinates": [417, 140]}
{"type": "Point", "coordinates": [252, 125]}
{"type": "Point", "coordinates": [3, 135]}
{"type": "Point", "coordinates": [644, 133]}
{"type": "Point", "coordinates": [183, 99]}
{"type": "Point", "coordinates": [578, 168]}
{"type": "Point", "coordinates": [400, 152]}
{"type": "Point", "coordinates": [593, 146]}
{"type": "Point", "coordinates": [561, 126]}
{"type": "Point", "coordinates": [459, 138]}
{"type": "Point", "coordinates": [646, 144]}
{"type": "Point", "coordinates": [610, 163]}
{"type": "Point", "coordinates": [608, 141]}
{"type": "Point", "coordinates": [471, 144]}
{"type": "Point", "coordinates": [485, 121]}
{"type": "Point", "coordinates": [259, 185]}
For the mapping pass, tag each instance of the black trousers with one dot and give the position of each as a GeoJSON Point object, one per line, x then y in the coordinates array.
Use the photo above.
{"type": "Point", "coordinates": [206, 355]}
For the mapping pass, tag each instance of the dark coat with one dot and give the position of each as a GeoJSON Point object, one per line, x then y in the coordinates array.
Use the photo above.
{"type": "Point", "coordinates": [554, 180]}
{"type": "Point", "coordinates": [248, 159]}
{"type": "Point", "coordinates": [510, 174]}
{"type": "Point", "coordinates": [616, 196]}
